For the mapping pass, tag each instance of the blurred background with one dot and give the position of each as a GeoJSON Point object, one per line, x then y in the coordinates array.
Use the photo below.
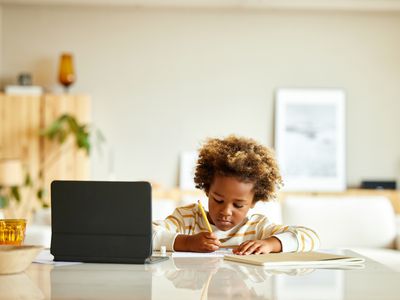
{"type": "Point", "coordinates": [154, 79]}
{"type": "Point", "coordinates": [164, 75]}
{"type": "Point", "coordinates": [129, 89]}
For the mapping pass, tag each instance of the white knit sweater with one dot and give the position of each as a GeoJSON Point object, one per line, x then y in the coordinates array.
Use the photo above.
{"type": "Point", "coordinates": [188, 220]}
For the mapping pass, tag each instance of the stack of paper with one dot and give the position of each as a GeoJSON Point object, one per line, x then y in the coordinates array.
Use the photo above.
{"type": "Point", "coordinates": [219, 253]}
{"type": "Point", "coordinates": [297, 260]}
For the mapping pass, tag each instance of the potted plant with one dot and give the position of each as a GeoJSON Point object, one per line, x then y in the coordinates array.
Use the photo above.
{"type": "Point", "coordinates": [60, 130]}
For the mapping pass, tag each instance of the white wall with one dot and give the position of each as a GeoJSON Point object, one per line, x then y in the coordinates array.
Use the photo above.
{"type": "Point", "coordinates": [163, 80]}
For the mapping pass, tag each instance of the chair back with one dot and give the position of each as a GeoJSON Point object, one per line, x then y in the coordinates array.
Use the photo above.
{"type": "Point", "coordinates": [344, 221]}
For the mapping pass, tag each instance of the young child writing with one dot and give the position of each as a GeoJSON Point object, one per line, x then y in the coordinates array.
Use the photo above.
{"type": "Point", "coordinates": [235, 173]}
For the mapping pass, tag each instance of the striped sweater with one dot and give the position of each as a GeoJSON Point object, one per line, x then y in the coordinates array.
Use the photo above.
{"type": "Point", "coordinates": [188, 220]}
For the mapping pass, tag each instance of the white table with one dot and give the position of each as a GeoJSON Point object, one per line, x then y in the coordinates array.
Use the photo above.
{"type": "Point", "coordinates": [199, 278]}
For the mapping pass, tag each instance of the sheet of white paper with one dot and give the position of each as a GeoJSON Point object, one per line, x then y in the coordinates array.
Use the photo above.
{"type": "Point", "coordinates": [45, 257]}
{"type": "Point", "coordinates": [218, 253]}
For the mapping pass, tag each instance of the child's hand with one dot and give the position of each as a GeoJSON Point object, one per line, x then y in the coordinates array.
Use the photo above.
{"type": "Point", "coordinates": [268, 245]}
{"type": "Point", "coordinates": [203, 242]}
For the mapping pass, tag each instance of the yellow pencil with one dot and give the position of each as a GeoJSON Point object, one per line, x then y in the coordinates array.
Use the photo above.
{"type": "Point", "coordinates": [204, 215]}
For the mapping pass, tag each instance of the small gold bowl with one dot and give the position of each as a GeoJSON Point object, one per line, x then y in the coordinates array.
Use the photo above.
{"type": "Point", "coordinates": [12, 231]}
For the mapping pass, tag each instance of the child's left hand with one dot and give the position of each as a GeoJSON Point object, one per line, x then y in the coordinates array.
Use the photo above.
{"type": "Point", "coordinates": [271, 244]}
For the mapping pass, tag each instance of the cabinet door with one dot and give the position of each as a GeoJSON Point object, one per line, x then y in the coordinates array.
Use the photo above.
{"type": "Point", "coordinates": [66, 161]}
{"type": "Point", "coordinates": [19, 130]}
{"type": "Point", "coordinates": [19, 138]}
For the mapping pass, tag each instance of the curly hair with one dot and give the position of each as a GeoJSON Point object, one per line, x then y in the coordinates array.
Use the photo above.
{"type": "Point", "coordinates": [242, 158]}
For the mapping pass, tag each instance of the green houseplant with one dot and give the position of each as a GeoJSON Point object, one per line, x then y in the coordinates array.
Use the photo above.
{"type": "Point", "coordinates": [60, 130]}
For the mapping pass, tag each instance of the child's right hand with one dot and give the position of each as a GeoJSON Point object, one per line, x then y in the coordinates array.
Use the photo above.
{"type": "Point", "coordinates": [201, 242]}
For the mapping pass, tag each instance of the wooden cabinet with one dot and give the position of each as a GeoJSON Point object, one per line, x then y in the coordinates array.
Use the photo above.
{"type": "Point", "coordinates": [22, 119]}
{"type": "Point", "coordinates": [63, 161]}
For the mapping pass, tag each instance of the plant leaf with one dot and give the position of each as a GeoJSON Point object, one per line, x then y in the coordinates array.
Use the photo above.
{"type": "Point", "coordinates": [3, 201]}
{"type": "Point", "coordinates": [15, 193]}
{"type": "Point", "coordinates": [40, 194]}
{"type": "Point", "coordinates": [53, 129]}
{"type": "Point", "coordinates": [28, 180]}
{"type": "Point", "coordinates": [73, 124]}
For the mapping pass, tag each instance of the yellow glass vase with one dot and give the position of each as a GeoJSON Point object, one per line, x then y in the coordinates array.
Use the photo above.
{"type": "Point", "coordinates": [66, 71]}
{"type": "Point", "coordinates": [12, 231]}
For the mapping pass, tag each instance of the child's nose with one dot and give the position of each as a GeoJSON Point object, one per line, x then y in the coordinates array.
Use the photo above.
{"type": "Point", "coordinates": [226, 210]}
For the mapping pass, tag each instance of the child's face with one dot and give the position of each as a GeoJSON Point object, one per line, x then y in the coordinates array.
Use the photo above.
{"type": "Point", "coordinates": [229, 200]}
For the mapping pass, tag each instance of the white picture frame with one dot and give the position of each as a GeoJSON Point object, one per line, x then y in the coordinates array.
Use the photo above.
{"type": "Point", "coordinates": [188, 160]}
{"type": "Point", "coordinates": [310, 139]}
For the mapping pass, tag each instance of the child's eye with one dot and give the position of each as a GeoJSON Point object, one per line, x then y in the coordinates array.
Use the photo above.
{"type": "Point", "coordinates": [218, 201]}
{"type": "Point", "coordinates": [237, 205]}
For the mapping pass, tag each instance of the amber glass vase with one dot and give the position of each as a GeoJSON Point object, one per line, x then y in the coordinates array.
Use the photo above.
{"type": "Point", "coordinates": [66, 71]}
{"type": "Point", "coordinates": [12, 231]}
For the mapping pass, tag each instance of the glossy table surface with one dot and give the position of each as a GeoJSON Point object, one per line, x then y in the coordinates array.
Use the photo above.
{"type": "Point", "coordinates": [199, 278]}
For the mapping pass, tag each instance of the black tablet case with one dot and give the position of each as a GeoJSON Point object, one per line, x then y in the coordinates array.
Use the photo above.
{"type": "Point", "coordinates": [101, 221]}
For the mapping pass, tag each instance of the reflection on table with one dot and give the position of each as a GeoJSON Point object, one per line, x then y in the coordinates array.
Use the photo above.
{"type": "Point", "coordinates": [19, 286]}
{"type": "Point", "coordinates": [199, 278]}
{"type": "Point", "coordinates": [217, 279]}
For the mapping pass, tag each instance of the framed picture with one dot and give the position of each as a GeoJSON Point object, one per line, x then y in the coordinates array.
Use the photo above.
{"type": "Point", "coordinates": [188, 160]}
{"type": "Point", "coordinates": [310, 139]}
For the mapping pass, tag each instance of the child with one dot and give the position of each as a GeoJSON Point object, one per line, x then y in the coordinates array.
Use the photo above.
{"type": "Point", "coordinates": [234, 173]}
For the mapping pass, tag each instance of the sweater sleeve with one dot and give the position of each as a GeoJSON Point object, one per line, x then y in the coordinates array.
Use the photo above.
{"type": "Point", "coordinates": [292, 238]}
{"type": "Point", "coordinates": [165, 231]}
